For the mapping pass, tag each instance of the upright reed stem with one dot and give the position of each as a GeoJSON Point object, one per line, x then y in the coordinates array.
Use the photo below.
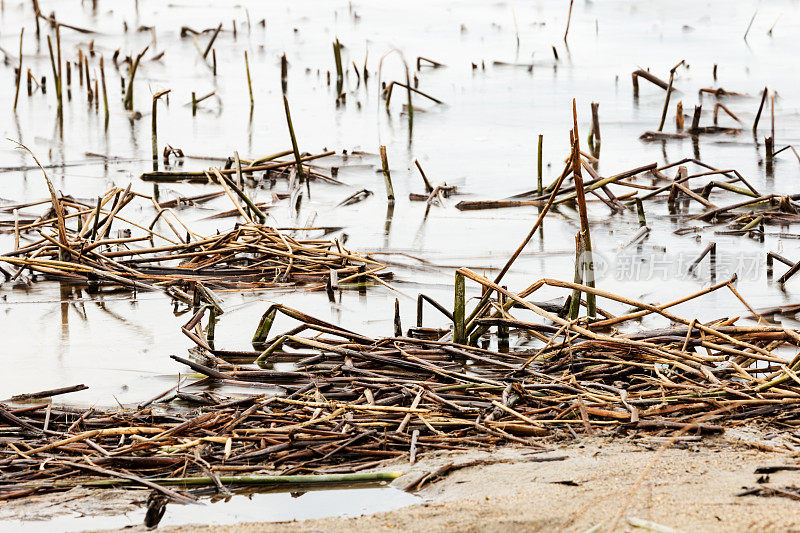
{"type": "Point", "coordinates": [19, 72]}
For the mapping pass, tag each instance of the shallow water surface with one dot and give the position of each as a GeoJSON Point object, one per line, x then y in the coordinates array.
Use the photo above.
{"type": "Point", "coordinates": [502, 87]}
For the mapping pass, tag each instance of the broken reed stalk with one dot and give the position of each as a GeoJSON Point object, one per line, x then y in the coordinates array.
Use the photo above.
{"type": "Point", "coordinates": [698, 109]}
{"type": "Point", "coordinates": [428, 186]}
{"type": "Point", "coordinates": [679, 116]}
{"type": "Point", "coordinates": [387, 177]}
{"type": "Point", "coordinates": [575, 299]}
{"type": "Point", "coordinates": [717, 107]}
{"type": "Point", "coordinates": [581, 200]}
{"type": "Point", "coordinates": [539, 167]}
{"type": "Point", "coordinates": [409, 91]}
{"type": "Point", "coordinates": [710, 249]}
{"type": "Point", "coordinates": [55, 74]}
{"type": "Point", "coordinates": [594, 135]}
{"type": "Point", "coordinates": [211, 41]}
{"type": "Point", "coordinates": [89, 94]}
{"type": "Point", "coordinates": [105, 93]}
{"type": "Point", "coordinates": [750, 25]}
{"type": "Point", "coordinates": [769, 149]}
{"type": "Point", "coordinates": [337, 59]}
{"type": "Point", "coordinates": [249, 81]}
{"type": "Point", "coordinates": [58, 58]}
{"type": "Point", "coordinates": [398, 325]}
{"type": "Point", "coordinates": [310, 479]}
{"type": "Point", "coordinates": [128, 99]}
{"type": "Point", "coordinates": [640, 213]}
{"type": "Point", "coordinates": [295, 149]}
{"type": "Point", "coordinates": [459, 310]}
{"type": "Point", "coordinates": [19, 68]}
{"type": "Point", "coordinates": [387, 94]}
{"type": "Point", "coordinates": [667, 97]}
{"type": "Point", "coordinates": [772, 115]}
{"type": "Point", "coordinates": [569, 18]}
{"type": "Point", "coordinates": [760, 108]}
{"type": "Point", "coordinates": [284, 73]}
{"type": "Point", "coordinates": [154, 123]}
{"type": "Point", "coordinates": [405, 86]}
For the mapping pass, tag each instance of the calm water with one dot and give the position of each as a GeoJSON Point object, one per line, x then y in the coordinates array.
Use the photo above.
{"type": "Point", "coordinates": [483, 139]}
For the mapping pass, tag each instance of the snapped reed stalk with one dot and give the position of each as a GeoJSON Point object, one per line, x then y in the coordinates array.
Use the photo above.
{"type": "Point", "coordinates": [128, 100]}
{"type": "Point", "coordinates": [666, 98]}
{"type": "Point", "coordinates": [55, 75]}
{"type": "Point", "coordinates": [711, 251]}
{"type": "Point", "coordinates": [411, 106]}
{"type": "Point", "coordinates": [539, 167]}
{"type": "Point", "coordinates": [760, 108]}
{"type": "Point", "coordinates": [772, 116]}
{"type": "Point", "coordinates": [459, 308]}
{"type": "Point", "coordinates": [58, 56]}
{"type": "Point", "coordinates": [387, 177]}
{"type": "Point", "coordinates": [569, 18]}
{"type": "Point", "coordinates": [679, 116]}
{"type": "Point", "coordinates": [105, 93]}
{"type": "Point", "coordinates": [212, 324]}
{"type": "Point", "coordinates": [89, 94]}
{"type": "Point", "coordinates": [309, 479]}
{"type": "Point", "coordinates": [428, 186]}
{"type": "Point", "coordinates": [264, 325]}
{"type": "Point", "coordinates": [337, 59]}
{"type": "Point", "coordinates": [575, 299]}
{"type": "Point", "coordinates": [769, 147]}
{"type": "Point", "coordinates": [249, 81]}
{"type": "Point", "coordinates": [696, 120]}
{"type": "Point", "coordinates": [412, 89]}
{"type": "Point", "coordinates": [594, 136]}
{"type": "Point", "coordinates": [591, 306]}
{"type": "Point", "coordinates": [284, 73]}
{"type": "Point", "coordinates": [19, 69]}
{"type": "Point", "coordinates": [155, 126]}
{"type": "Point", "coordinates": [640, 212]}
{"type": "Point", "coordinates": [398, 325]}
{"type": "Point", "coordinates": [211, 42]}
{"type": "Point", "coordinates": [753, 223]}
{"type": "Point", "coordinates": [295, 149]}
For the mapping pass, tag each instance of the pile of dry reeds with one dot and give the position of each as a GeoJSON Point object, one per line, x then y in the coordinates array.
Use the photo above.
{"type": "Point", "coordinates": [351, 402]}
{"type": "Point", "coordinates": [100, 245]}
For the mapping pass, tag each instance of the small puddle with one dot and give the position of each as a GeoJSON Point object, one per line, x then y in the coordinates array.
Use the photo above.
{"type": "Point", "coordinates": [257, 507]}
